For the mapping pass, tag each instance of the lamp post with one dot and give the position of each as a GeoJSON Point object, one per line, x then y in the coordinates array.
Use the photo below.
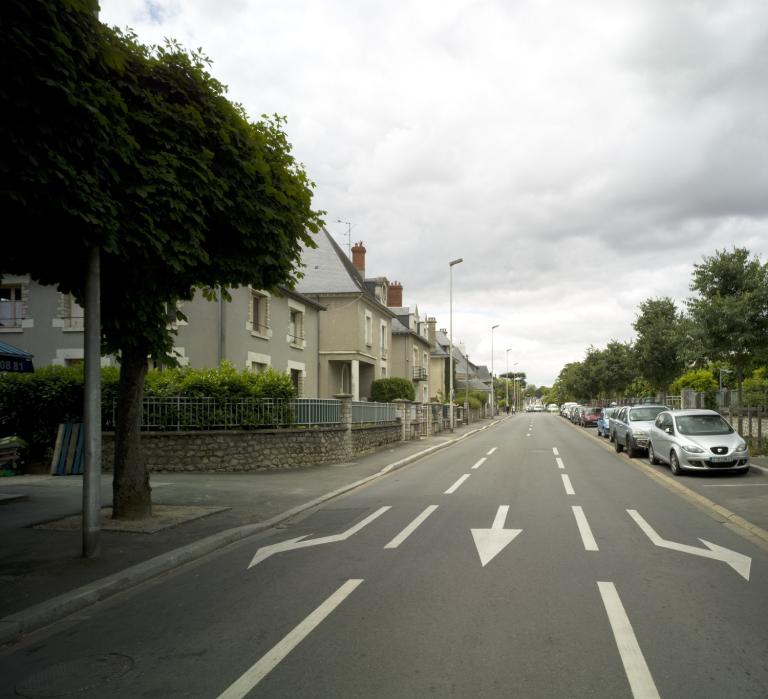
{"type": "Point", "coordinates": [451, 265]}
{"type": "Point", "coordinates": [506, 383]}
{"type": "Point", "coordinates": [493, 398]}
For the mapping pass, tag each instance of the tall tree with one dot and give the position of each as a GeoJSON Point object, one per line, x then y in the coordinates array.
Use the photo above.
{"type": "Point", "coordinates": [183, 191]}
{"type": "Point", "coordinates": [731, 308]}
{"type": "Point", "coordinates": [661, 335]}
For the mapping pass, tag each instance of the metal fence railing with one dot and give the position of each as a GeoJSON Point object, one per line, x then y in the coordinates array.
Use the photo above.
{"type": "Point", "coordinates": [365, 412]}
{"type": "Point", "coordinates": [182, 413]}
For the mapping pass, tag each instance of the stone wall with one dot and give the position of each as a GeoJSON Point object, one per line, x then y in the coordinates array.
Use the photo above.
{"type": "Point", "coordinates": [252, 450]}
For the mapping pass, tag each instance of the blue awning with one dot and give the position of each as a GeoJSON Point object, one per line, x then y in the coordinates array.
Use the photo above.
{"type": "Point", "coordinates": [15, 359]}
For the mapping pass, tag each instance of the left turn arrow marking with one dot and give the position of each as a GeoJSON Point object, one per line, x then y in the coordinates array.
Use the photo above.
{"type": "Point", "coordinates": [300, 542]}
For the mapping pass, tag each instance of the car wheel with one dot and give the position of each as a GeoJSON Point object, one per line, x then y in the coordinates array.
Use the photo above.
{"type": "Point", "coordinates": [631, 448]}
{"type": "Point", "coordinates": [651, 456]}
{"type": "Point", "coordinates": [618, 447]}
{"type": "Point", "coordinates": [674, 464]}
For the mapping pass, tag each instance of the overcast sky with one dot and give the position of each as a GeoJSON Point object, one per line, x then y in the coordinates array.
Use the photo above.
{"type": "Point", "coordinates": [580, 155]}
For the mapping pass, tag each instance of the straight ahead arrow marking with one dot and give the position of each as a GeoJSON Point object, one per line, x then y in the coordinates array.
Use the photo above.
{"type": "Point", "coordinates": [299, 543]}
{"type": "Point", "coordinates": [491, 542]}
{"type": "Point", "coordinates": [738, 561]}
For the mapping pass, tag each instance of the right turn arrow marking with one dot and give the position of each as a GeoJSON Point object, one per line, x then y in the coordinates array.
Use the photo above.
{"type": "Point", "coordinates": [491, 542]}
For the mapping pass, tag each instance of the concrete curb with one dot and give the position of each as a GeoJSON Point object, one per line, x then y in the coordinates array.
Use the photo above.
{"type": "Point", "coordinates": [13, 627]}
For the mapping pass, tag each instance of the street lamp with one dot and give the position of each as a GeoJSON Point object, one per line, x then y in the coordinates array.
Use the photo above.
{"type": "Point", "coordinates": [506, 383]}
{"type": "Point", "coordinates": [493, 401]}
{"type": "Point", "coordinates": [451, 265]}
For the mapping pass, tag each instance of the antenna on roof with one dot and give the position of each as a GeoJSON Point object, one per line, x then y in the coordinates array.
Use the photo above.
{"type": "Point", "coordinates": [349, 236]}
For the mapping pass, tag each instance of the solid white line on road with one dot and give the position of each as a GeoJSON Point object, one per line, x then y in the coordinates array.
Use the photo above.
{"type": "Point", "coordinates": [457, 484]}
{"type": "Point", "coordinates": [403, 535]}
{"type": "Point", "coordinates": [640, 681]}
{"type": "Point", "coordinates": [560, 463]}
{"type": "Point", "coordinates": [479, 463]}
{"type": "Point", "coordinates": [567, 483]}
{"type": "Point", "coordinates": [586, 533]}
{"type": "Point", "coordinates": [268, 662]}
{"type": "Point", "coordinates": [490, 451]}
{"type": "Point", "coordinates": [555, 451]}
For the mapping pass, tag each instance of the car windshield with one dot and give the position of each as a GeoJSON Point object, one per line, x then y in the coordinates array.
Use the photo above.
{"type": "Point", "coordinates": [644, 414]}
{"type": "Point", "coordinates": [703, 424]}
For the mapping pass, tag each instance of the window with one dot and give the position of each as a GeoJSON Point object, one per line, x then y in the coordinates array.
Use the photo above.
{"type": "Point", "coordinates": [11, 311]}
{"type": "Point", "coordinates": [258, 316]}
{"type": "Point", "coordinates": [383, 372]}
{"type": "Point", "coordinates": [75, 320]}
{"type": "Point", "coordinates": [298, 381]}
{"type": "Point", "coordinates": [368, 329]}
{"type": "Point", "coordinates": [258, 367]}
{"type": "Point", "coordinates": [296, 327]}
{"type": "Point", "coordinates": [383, 335]}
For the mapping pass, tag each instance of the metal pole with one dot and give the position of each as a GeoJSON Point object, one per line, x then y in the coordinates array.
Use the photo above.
{"type": "Point", "coordinates": [493, 397]}
{"type": "Point", "coordinates": [506, 383]}
{"type": "Point", "coordinates": [450, 340]}
{"type": "Point", "coordinates": [92, 409]}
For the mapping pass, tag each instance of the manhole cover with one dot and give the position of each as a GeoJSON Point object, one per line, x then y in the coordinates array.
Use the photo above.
{"type": "Point", "coordinates": [73, 676]}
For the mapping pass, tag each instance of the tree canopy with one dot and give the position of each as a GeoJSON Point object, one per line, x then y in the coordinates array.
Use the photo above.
{"type": "Point", "coordinates": [137, 150]}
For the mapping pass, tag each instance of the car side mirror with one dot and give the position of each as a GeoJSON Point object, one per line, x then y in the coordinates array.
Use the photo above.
{"type": "Point", "coordinates": [669, 430]}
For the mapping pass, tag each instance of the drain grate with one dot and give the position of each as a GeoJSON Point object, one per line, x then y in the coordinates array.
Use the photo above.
{"type": "Point", "coordinates": [74, 676]}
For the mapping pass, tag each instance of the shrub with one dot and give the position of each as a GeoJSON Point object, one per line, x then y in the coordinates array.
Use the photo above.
{"type": "Point", "coordinates": [755, 388]}
{"type": "Point", "coordinates": [393, 388]}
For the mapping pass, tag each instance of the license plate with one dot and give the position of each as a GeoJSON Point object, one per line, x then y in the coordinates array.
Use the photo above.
{"type": "Point", "coordinates": [720, 459]}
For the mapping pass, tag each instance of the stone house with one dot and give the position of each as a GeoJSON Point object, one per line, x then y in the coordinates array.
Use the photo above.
{"type": "Point", "coordinates": [254, 330]}
{"type": "Point", "coordinates": [355, 333]}
{"type": "Point", "coordinates": [410, 344]}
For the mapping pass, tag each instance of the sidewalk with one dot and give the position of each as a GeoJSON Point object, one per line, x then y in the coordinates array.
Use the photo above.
{"type": "Point", "coordinates": [45, 578]}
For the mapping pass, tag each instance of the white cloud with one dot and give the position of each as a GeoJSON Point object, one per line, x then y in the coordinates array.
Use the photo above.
{"type": "Point", "coordinates": [580, 157]}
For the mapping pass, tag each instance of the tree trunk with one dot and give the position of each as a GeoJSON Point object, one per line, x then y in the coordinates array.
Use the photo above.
{"type": "Point", "coordinates": [131, 494]}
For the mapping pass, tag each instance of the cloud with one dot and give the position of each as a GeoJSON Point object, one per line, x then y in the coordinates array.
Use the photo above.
{"type": "Point", "coordinates": [580, 157]}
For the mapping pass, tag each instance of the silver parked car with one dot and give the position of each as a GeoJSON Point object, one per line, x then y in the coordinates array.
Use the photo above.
{"type": "Point", "coordinates": [700, 440]}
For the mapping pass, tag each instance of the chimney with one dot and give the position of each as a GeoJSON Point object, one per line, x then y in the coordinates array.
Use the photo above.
{"type": "Point", "coordinates": [431, 323]}
{"type": "Point", "coordinates": [358, 258]}
{"type": "Point", "coordinates": [395, 295]}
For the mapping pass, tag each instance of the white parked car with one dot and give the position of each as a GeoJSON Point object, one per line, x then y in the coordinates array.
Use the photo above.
{"type": "Point", "coordinates": [700, 440]}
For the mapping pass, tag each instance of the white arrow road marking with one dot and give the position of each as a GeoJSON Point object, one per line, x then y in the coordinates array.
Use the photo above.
{"type": "Point", "coordinates": [403, 535]}
{"type": "Point", "coordinates": [640, 681]}
{"type": "Point", "coordinates": [488, 453]}
{"type": "Point", "coordinates": [738, 561]}
{"type": "Point", "coordinates": [491, 542]}
{"type": "Point", "coordinates": [457, 484]}
{"type": "Point", "coordinates": [479, 463]}
{"type": "Point", "coordinates": [267, 663]}
{"type": "Point", "coordinates": [560, 463]}
{"type": "Point", "coordinates": [567, 484]}
{"type": "Point", "coordinates": [298, 543]}
{"type": "Point", "coordinates": [584, 529]}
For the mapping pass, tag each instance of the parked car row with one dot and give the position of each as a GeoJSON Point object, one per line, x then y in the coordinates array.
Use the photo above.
{"type": "Point", "coordinates": [686, 440]}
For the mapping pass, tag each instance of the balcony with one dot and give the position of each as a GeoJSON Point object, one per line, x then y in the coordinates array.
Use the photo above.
{"type": "Point", "coordinates": [420, 373]}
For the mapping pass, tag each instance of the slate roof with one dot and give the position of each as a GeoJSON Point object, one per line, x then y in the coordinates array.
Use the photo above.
{"type": "Point", "coordinates": [327, 270]}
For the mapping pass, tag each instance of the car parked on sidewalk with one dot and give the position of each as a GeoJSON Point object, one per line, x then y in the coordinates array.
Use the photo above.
{"type": "Point", "coordinates": [700, 440]}
{"type": "Point", "coordinates": [630, 427]}
{"type": "Point", "coordinates": [603, 421]}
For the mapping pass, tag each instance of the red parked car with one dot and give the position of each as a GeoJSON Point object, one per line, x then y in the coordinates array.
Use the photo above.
{"type": "Point", "coordinates": [589, 415]}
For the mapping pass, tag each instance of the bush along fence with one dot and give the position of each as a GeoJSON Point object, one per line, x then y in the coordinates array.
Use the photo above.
{"type": "Point", "coordinates": [752, 424]}
{"type": "Point", "coordinates": [209, 435]}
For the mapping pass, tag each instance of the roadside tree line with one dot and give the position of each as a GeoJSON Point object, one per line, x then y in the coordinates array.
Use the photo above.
{"type": "Point", "coordinates": [719, 333]}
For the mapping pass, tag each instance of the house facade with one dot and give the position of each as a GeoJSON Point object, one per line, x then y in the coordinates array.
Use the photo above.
{"type": "Point", "coordinates": [253, 331]}
{"type": "Point", "coordinates": [410, 345]}
{"type": "Point", "coordinates": [355, 335]}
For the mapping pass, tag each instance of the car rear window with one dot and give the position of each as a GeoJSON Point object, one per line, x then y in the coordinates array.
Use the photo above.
{"type": "Point", "coordinates": [642, 414]}
{"type": "Point", "coordinates": [703, 424]}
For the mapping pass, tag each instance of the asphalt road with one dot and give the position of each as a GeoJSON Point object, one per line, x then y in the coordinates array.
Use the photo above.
{"type": "Point", "coordinates": [526, 561]}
